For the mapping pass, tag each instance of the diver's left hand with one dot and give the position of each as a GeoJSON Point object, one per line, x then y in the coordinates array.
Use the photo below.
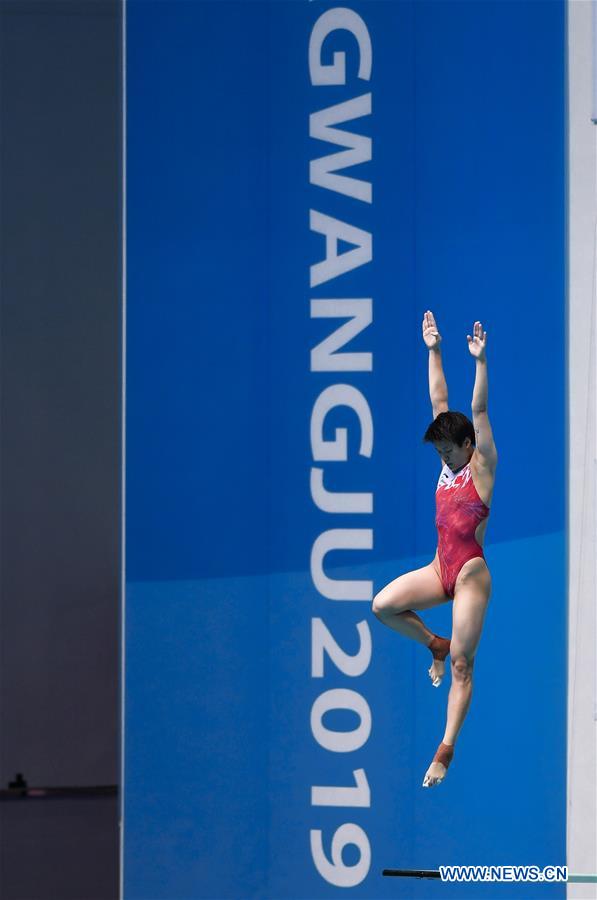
{"type": "Point", "coordinates": [478, 342]}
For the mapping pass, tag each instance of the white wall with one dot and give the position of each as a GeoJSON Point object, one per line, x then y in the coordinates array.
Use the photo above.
{"type": "Point", "coordinates": [582, 634]}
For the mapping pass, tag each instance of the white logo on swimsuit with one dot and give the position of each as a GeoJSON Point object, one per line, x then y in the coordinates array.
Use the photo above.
{"type": "Point", "coordinates": [448, 479]}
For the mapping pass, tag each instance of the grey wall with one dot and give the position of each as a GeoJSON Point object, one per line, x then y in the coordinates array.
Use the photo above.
{"type": "Point", "coordinates": [582, 339]}
{"type": "Point", "coordinates": [60, 382]}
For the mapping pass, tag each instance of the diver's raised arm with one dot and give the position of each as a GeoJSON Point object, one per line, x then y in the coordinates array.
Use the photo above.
{"type": "Point", "coordinates": [438, 388]}
{"type": "Point", "coordinates": [484, 441]}
{"type": "Point", "coordinates": [476, 346]}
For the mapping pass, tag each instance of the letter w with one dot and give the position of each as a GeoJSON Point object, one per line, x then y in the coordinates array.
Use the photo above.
{"type": "Point", "coordinates": [320, 170]}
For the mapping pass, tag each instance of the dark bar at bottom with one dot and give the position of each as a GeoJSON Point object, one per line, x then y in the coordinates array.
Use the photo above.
{"type": "Point", "coordinates": [413, 873]}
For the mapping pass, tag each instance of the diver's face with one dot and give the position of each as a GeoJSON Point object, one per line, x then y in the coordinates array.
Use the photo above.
{"type": "Point", "coordinates": [454, 456]}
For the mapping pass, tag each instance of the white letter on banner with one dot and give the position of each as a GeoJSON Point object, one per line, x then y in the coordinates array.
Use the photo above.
{"type": "Point", "coordinates": [320, 169]}
{"type": "Point", "coordinates": [336, 264]}
{"type": "Point", "coordinates": [324, 357]}
{"type": "Point", "coordinates": [339, 19]}
{"type": "Point", "coordinates": [332, 795]}
{"type": "Point", "coordinates": [336, 872]}
{"type": "Point", "coordinates": [338, 501]}
{"type": "Point", "coordinates": [322, 641]}
{"type": "Point", "coordinates": [341, 741]}
{"type": "Point", "coordinates": [337, 450]}
{"type": "Point", "coordinates": [341, 539]}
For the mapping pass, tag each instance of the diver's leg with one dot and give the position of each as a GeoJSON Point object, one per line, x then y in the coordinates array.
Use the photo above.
{"type": "Point", "coordinates": [394, 605]}
{"type": "Point", "coordinates": [471, 598]}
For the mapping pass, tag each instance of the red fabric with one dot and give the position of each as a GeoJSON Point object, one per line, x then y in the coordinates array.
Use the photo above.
{"type": "Point", "coordinates": [459, 509]}
{"type": "Point", "coordinates": [440, 647]}
{"type": "Point", "coordinates": [444, 754]}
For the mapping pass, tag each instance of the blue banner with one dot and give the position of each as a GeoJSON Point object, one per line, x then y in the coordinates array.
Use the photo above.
{"type": "Point", "coordinates": [303, 182]}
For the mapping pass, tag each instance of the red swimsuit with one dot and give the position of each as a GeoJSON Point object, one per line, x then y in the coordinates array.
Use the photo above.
{"type": "Point", "coordinates": [459, 509]}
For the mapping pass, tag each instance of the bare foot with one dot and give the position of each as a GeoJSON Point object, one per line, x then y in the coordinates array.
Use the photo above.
{"type": "Point", "coordinates": [440, 647]}
{"type": "Point", "coordinates": [436, 772]}
{"type": "Point", "coordinates": [436, 672]}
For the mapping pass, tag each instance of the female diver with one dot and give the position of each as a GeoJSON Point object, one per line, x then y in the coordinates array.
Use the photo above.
{"type": "Point", "coordinates": [458, 571]}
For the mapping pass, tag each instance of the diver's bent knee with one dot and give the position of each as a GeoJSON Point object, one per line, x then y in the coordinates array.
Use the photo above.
{"type": "Point", "coordinates": [383, 606]}
{"type": "Point", "coordinates": [378, 607]}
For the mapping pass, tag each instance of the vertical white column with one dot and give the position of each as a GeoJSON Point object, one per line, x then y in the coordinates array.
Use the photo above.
{"type": "Point", "coordinates": [121, 807]}
{"type": "Point", "coordinates": [582, 480]}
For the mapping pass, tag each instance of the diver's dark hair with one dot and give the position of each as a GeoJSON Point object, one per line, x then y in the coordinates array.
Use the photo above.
{"type": "Point", "coordinates": [450, 426]}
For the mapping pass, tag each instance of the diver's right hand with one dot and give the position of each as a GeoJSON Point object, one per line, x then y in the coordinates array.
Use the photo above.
{"type": "Point", "coordinates": [431, 335]}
